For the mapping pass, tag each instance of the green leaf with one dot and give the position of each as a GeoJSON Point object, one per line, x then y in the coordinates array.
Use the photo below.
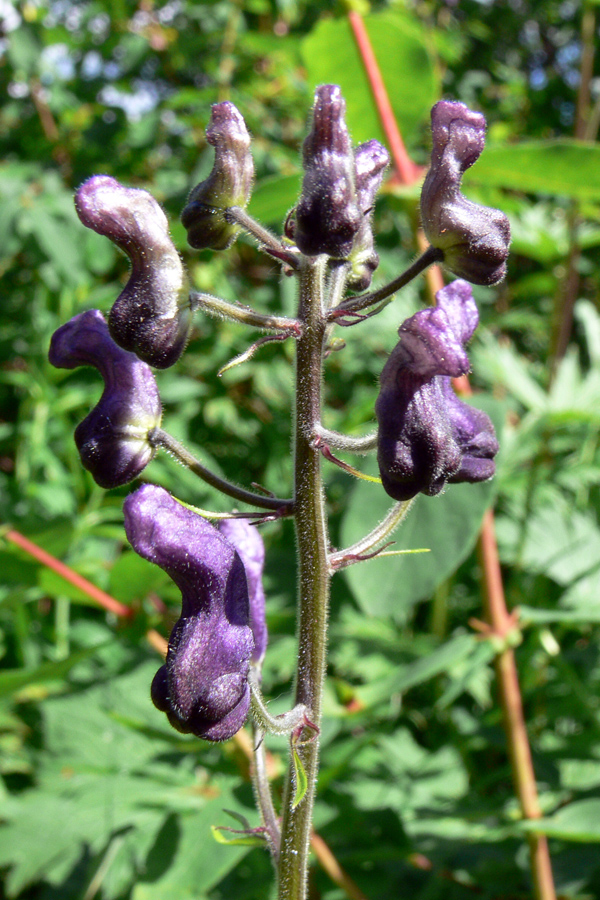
{"type": "Point", "coordinates": [221, 836]}
{"type": "Point", "coordinates": [273, 197]}
{"type": "Point", "coordinates": [301, 779]}
{"type": "Point", "coordinates": [12, 680]}
{"type": "Point", "coordinates": [579, 821]}
{"type": "Point", "coordinates": [438, 661]}
{"type": "Point", "coordinates": [447, 524]}
{"type": "Point", "coordinates": [401, 48]}
{"type": "Point", "coordinates": [567, 168]}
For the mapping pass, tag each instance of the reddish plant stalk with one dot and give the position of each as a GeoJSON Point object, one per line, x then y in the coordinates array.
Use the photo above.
{"type": "Point", "coordinates": [497, 613]}
{"type": "Point", "coordinates": [46, 559]}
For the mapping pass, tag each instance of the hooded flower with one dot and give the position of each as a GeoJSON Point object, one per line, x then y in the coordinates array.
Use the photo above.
{"type": "Point", "coordinates": [427, 436]}
{"type": "Point", "coordinates": [152, 315]}
{"type": "Point", "coordinates": [113, 440]}
{"type": "Point", "coordinates": [473, 238]}
{"type": "Point", "coordinates": [327, 216]}
{"type": "Point", "coordinates": [203, 686]}
{"type": "Point", "coordinates": [371, 161]}
{"type": "Point", "coordinates": [229, 183]}
{"type": "Point", "coordinates": [249, 544]}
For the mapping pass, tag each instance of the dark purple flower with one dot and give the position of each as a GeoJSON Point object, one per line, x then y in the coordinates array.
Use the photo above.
{"type": "Point", "coordinates": [113, 440]}
{"type": "Point", "coordinates": [203, 687]}
{"type": "Point", "coordinates": [473, 238]}
{"type": "Point", "coordinates": [427, 436]}
{"type": "Point", "coordinates": [246, 539]}
{"type": "Point", "coordinates": [152, 315]}
{"type": "Point", "coordinates": [327, 216]}
{"type": "Point", "coordinates": [229, 183]}
{"type": "Point", "coordinates": [371, 161]}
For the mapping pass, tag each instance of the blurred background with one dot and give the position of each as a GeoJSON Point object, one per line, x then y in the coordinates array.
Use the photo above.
{"type": "Point", "coordinates": [98, 797]}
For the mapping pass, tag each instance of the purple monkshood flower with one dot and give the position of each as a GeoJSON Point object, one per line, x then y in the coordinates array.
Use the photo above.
{"type": "Point", "coordinates": [203, 687]}
{"type": "Point", "coordinates": [473, 238]}
{"type": "Point", "coordinates": [113, 439]}
{"type": "Point", "coordinates": [229, 183]}
{"type": "Point", "coordinates": [327, 216]}
{"type": "Point", "coordinates": [152, 315]}
{"type": "Point", "coordinates": [371, 160]}
{"type": "Point", "coordinates": [246, 539]}
{"type": "Point", "coordinates": [427, 436]}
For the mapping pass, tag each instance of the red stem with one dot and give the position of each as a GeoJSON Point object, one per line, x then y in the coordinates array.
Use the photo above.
{"type": "Point", "coordinates": [406, 170]}
{"type": "Point", "coordinates": [46, 559]}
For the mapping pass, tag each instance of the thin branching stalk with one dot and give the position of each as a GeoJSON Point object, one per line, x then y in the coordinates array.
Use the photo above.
{"type": "Point", "coordinates": [160, 438]}
{"type": "Point", "coordinates": [363, 301]}
{"type": "Point", "coordinates": [245, 315]}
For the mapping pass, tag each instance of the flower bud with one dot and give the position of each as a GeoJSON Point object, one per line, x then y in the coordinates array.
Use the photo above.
{"type": "Point", "coordinates": [371, 161]}
{"type": "Point", "coordinates": [152, 315]}
{"type": "Point", "coordinates": [203, 687]}
{"type": "Point", "coordinates": [229, 183]}
{"type": "Point", "coordinates": [473, 238]}
{"type": "Point", "coordinates": [427, 436]}
{"type": "Point", "coordinates": [113, 439]}
{"type": "Point", "coordinates": [246, 539]}
{"type": "Point", "coordinates": [327, 216]}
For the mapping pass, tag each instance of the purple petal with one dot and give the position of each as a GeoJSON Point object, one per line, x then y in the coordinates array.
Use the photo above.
{"type": "Point", "coordinates": [474, 238]}
{"type": "Point", "coordinates": [203, 686]}
{"type": "Point", "coordinates": [427, 436]}
{"type": "Point", "coordinates": [249, 544]}
{"type": "Point", "coordinates": [113, 439]}
{"type": "Point", "coordinates": [152, 315]}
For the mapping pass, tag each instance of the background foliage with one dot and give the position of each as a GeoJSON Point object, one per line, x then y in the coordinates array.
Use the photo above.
{"type": "Point", "coordinates": [99, 797]}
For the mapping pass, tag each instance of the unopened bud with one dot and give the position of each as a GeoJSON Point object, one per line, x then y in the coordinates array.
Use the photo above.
{"type": "Point", "coordinates": [229, 183]}
{"type": "Point", "coordinates": [371, 161]}
{"type": "Point", "coordinates": [152, 315]}
{"type": "Point", "coordinates": [327, 216]}
{"type": "Point", "coordinates": [473, 238]}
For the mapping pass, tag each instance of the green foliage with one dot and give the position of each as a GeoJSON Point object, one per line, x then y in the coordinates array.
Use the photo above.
{"type": "Point", "coordinates": [99, 797]}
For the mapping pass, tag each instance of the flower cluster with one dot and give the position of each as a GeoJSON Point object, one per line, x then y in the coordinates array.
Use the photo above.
{"type": "Point", "coordinates": [427, 437]}
{"type": "Point", "coordinates": [333, 215]}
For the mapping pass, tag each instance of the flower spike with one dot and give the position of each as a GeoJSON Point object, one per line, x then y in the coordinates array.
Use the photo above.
{"type": "Point", "coordinates": [473, 238]}
{"type": "Point", "coordinates": [113, 439]}
{"type": "Point", "coordinates": [152, 315]}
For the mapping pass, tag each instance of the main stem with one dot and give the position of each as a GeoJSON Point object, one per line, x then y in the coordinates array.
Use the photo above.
{"type": "Point", "coordinates": [313, 576]}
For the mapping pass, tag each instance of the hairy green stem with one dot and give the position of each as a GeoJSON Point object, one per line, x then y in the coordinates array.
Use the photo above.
{"type": "Point", "coordinates": [313, 577]}
{"type": "Point", "coordinates": [245, 315]}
